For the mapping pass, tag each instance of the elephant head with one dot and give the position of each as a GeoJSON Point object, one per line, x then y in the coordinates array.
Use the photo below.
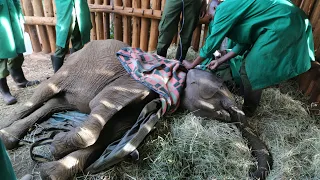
{"type": "Point", "coordinates": [206, 96]}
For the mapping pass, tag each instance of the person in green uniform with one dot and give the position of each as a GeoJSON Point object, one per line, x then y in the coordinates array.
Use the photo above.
{"type": "Point", "coordinates": [6, 169]}
{"type": "Point", "coordinates": [275, 37]}
{"type": "Point", "coordinates": [12, 48]}
{"type": "Point", "coordinates": [73, 22]}
{"type": "Point", "coordinates": [168, 27]}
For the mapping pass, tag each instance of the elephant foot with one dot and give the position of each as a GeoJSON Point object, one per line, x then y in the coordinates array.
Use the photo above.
{"type": "Point", "coordinates": [64, 143]}
{"type": "Point", "coordinates": [8, 139]}
{"type": "Point", "coordinates": [55, 171]}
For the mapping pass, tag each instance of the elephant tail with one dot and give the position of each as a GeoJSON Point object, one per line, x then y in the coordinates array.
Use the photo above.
{"type": "Point", "coordinates": [258, 147]}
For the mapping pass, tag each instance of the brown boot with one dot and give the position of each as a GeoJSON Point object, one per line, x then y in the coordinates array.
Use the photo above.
{"type": "Point", "coordinates": [5, 92]}
{"type": "Point", "coordinates": [18, 77]}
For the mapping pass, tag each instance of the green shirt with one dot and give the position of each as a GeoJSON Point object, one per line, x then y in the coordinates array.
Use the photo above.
{"type": "Point", "coordinates": [66, 9]}
{"type": "Point", "coordinates": [11, 33]}
{"type": "Point", "coordinates": [277, 34]}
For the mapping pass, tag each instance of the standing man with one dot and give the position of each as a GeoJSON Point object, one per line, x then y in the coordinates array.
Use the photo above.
{"type": "Point", "coordinates": [11, 48]}
{"type": "Point", "coordinates": [73, 21]}
{"type": "Point", "coordinates": [168, 27]}
{"type": "Point", "coordinates": [275, 37]}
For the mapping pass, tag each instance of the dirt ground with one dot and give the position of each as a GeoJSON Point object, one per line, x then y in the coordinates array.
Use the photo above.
{"type": "Point", "coordinates": [36, 67]}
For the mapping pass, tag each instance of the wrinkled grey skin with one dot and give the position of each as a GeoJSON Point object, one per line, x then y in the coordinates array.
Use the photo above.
{"type": "Point", "coordinates": [93, 81]}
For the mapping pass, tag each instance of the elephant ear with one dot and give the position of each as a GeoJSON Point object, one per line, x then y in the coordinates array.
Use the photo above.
{"type": "Point", "coordinates": [209, 86]}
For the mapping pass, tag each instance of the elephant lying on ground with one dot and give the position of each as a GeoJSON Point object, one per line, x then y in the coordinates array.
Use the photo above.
{"type": "Point", "coordinates": [93, 81]}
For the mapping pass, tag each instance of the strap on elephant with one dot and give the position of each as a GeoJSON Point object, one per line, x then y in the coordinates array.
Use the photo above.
{"type": "Point", "coordinates": [59, 122]}
{"type": "Point", "coordinates": [126, 147]}
{"type": "Point", "coordinates": [42, 142]}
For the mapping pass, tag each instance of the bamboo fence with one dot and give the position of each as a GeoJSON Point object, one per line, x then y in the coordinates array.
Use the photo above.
{"type": "Point", "coordinates": [135, 22]}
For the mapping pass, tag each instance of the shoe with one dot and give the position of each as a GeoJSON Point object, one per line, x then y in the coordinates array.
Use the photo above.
{"type": "Point", "coordinates": [5, 92]}
{"type": "Point", "coordinates": [56, 63]}
{"type": "Point", "coordinates": [19, 78]}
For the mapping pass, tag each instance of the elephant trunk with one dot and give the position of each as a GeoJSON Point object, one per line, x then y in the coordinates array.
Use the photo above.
{"type": "Point", "coordinates": [258, 147]}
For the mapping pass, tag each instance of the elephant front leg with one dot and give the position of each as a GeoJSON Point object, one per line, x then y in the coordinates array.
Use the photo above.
{"type": "Point", "coordinates": [104, 106]}
{"type": "Point", "coordinates": [12, 134]}
{"type": "Point", "coordinates": [258, 147]}
{"type": "Point", "coordinates": [43, 93]}
{"type": "Point", "coordinates": [79, 160]}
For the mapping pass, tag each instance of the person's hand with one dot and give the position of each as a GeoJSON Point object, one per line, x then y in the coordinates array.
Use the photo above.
{"type": "Point", "coordinates": [214, 64]}
{"type": "Point", "coordinates": [187, 64]}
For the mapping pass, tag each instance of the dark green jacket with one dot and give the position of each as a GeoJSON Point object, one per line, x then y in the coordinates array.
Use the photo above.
{"type": "Point", "coordinates": [11, 33]}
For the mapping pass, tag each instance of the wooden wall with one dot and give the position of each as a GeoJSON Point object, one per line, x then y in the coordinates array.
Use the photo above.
{"type": "Point", "coordinates": [136, 23]}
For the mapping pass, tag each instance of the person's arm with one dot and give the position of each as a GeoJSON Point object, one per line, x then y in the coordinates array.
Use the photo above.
{"type": "Point", "coordinates": [215, 63]}
{"type": "Point", "coordinates": [239, 49]}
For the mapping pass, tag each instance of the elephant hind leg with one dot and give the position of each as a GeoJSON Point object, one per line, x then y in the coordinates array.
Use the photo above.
{"type": "Point", "coordinates": [11, 134]}
{"type": "Point", "coordinates": [78, 161]}
{"type": "Point", "coordinates": [42, 94]}
{"type": "Point", "coordinates": [106, 104]}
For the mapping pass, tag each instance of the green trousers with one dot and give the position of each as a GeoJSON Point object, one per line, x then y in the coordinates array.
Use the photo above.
{"type": "Point", "coordinates": [168, 26]}
{"type": "Point", "coordinates": [75, 35]}
{"type": "Point", "coordinates": [6, 169]}
{"type": "Point", "coordinates": [12, 63]}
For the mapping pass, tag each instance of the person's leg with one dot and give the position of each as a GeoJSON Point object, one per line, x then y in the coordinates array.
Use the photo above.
{"type": "Point", "coordinates": [6, 169]}
{"type": "Point", "coordinates": [251, 97]}
{"type": "Point", "coordinates": [16, 72]}
{"type": "Point", "coordinates": [76, 39]}
{"type": "Point", "coordinates": [168, 25]}
{"type": "Point", "coordinates": [58, 58]}
{"type": "Point", "coordinates": [4, 88]}
{"type": "Point", "coordinates": [191, 19]}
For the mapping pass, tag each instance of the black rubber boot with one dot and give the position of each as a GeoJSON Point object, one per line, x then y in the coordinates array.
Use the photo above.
{"type": "Point", "coordinates": [5, 92]}
{"type": "Point", "coordinates": [56, 63]}
{"type": "Point", "coordinates": [19, 78]}
{"type": "Point", "coordinates": [72, 50]}
{"type": "Point", "coordinates": [251, 102]}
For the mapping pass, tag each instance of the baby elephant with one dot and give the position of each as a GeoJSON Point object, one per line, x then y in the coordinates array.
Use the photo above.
{"type": "Point", "coordinates": [93, 81]}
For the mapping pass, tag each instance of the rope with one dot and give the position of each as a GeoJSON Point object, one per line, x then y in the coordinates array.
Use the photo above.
{"type": "Point", "coordinates": [182, 24]}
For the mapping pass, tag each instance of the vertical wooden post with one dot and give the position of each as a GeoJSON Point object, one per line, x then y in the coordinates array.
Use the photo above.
{"type": "Point", "coordinates": [106, 21]}
{"type": "Point", "coordinates": [316, 38]}
{"type": "Point", "coordinates": [307, 6]}
{"type": "Point", "coordinates": [48, 9]}
{"type": "Point", "coordinates": [154, 32]}
{"type": "Point", "coordinates": [315, 16]}
{"type": "Point", "coordinates": [127, 24]}
{"type": "Point", "coordinates": [38, 12]}
{"type": "Point", "coordinates": [205, 34]}
{"type": "Point", "coordinates": [176, 38]}
{"type": "Point", "coordinates": [145, 23]}
{"type": "Point", "coordinates": [163, 2]}
{"type": "Point", "coordinates": [99, 22]}
{"type": "Point", "coordinates": [297, 2]}
{"type": "Point", "coordinates": [196, 38]}
{"type": "Point", "coordinates": [136, 26]}
{"type": "Point", "coordinates": [118, 22]}
{"type": "Point", "coordinates": [27, 6]}
{"type": "Point", "coordinates": [93, 22]}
